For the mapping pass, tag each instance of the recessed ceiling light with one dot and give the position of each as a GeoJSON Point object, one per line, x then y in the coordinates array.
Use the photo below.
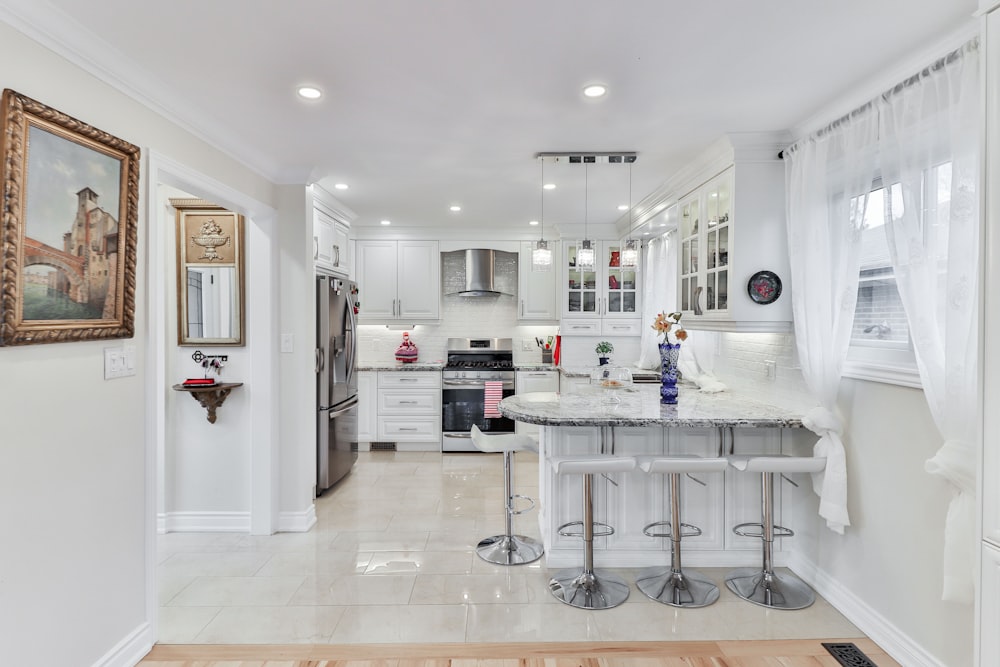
{"type": "Point", "coordinates": [341, 186]}
{"type": "Point", "coordinates": [310, 92]}
{"type": "Point", "coordinates": [455, 209]}
{"type": "Point", "coordinates": [623, 207]}
{"type": "Point", "coordinates": [549, 186]}
{"type": "Point", "coordinates": [532, 222]}
{"type": "Point", "coordinates": [645, 233]}
{"type": "Point", "coordinates": [595, 90]}
{"type": "Point", "coordinates": [386, 222]}
{"type": "Point", "coordinates": [662, 224]}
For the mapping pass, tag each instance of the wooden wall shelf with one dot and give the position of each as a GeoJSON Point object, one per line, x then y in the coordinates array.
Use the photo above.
{"type": "Point", "coordinates": [211, 397]}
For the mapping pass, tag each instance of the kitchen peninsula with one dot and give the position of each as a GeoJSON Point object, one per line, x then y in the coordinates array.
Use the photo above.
{"type": "Point", "coordinates": [632, 422]}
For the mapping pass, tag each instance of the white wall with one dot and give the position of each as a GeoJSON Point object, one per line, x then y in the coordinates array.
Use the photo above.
{"type": "Point", "coordinates": [73, 465]}
{"type": "Point", "coordinates": [885, 573]}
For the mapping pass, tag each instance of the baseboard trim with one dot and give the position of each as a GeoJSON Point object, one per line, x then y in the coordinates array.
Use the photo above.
{"type": "Point", "coordinates": [903, 648]}
{"type": "Point", "coordinates": [203, 522]}
{"type": "Point", "coordinates": [130, 650]}
{"type": "Point", "coordinates": [297, 522]}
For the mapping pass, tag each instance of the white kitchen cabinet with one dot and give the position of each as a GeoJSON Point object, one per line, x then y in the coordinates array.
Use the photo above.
{"type": "Point", "coordinates": [531, 381]}
{"type": "Point", "coordinates": [330, 241]}
{"type": "Point", "coordinates": [537, 296]}
{"type": "Point", "coordinates": [731, 225]}
{"type": "Point", "coordinates": [702, 494]}
{"type": "Point", "coordinates": [989, 612]}
{"type": "Point", "coordinates": [409, 409]}
{"type": "Point", "coordinates": [367, 409]}
{"type": "Point", "coordinates": [398, 281]}
{"type": "Point", "coordinates": [604, 300]}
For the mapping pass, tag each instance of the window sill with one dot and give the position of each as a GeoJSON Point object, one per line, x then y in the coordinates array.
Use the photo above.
{"type": "Point", "coordinates": [902, 374]}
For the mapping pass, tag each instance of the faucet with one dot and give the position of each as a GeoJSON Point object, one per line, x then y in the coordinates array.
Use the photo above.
{"type": "Point", "coordinates": [881, 329]}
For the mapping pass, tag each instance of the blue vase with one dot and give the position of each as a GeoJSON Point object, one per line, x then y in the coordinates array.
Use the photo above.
{"type": "Point", "coordinates": [669, 354]}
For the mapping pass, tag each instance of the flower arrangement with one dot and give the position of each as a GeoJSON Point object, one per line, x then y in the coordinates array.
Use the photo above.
{"type": "Point", "coordinates": [670, 326]}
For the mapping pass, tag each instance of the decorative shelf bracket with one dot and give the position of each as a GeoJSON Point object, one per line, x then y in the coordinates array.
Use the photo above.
{"type": "Point", "coordinates": [211, 398]}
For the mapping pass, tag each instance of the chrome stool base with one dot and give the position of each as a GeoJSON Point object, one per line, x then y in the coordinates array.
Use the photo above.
{"type": "Point", "coordinates": [688, 588]}
{"type": "Point", "coordinates": [597, 589]}
{"type": "Point", "coordinates": [509, 549]}
{"type": "Point", "coordinates": [770, 589]}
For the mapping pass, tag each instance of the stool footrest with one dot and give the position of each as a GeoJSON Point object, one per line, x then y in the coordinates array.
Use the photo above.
{"type": "Point", "coordinates": [531, 504]}
{"type": "Point", "coordinates": [692, 531]}
{"type": "Point", "coordinates": [779, 531]}
{"type": "Point", "coordinates": [607, 530]}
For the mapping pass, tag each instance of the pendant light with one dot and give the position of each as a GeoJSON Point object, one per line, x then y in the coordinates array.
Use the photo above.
{"type": "Point", "coordinates": [541, 256]}
{"type": "Point", "coordinates": [585, 253]}
{"type": "Point", "coordinates": [630, 254]}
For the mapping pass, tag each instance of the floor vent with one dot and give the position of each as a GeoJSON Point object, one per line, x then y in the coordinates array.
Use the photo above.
{"type": "Point", "coordinates": [849, 655]}
{"type": "Point", "coordinates": [383, 446]}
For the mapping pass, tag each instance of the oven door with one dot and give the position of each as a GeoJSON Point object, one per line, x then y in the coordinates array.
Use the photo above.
{"type": "Point", "coordinates": [462, 406]}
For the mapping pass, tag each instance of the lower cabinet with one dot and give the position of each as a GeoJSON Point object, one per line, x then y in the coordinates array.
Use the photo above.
{"type": "Point", "coordinates": [714, 502]}
{"type": "Point", "coordinates": [409, 409]}
{"type": "Point", "coordinates": [530, 381]}
{"type": "Point", "coordinates": [989, 613]}
{"type": "Point", "coordinates": [367, 409]}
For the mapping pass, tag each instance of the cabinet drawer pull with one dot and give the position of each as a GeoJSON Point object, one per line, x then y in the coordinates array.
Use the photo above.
{"type": "Point", "coordinates": [407, 379]}
{"type": "Point", "coordinates": [407, 429]}
{"type": "Point", "coordinates": [407, 402]}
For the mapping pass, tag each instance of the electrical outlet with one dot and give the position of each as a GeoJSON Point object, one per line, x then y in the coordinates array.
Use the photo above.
{"type": "Point", "coordinates": [527, 344]}
{"type": "Point", "coordinates": [287, 343]}
{"type": "Point", "coordinates": [770, 369]}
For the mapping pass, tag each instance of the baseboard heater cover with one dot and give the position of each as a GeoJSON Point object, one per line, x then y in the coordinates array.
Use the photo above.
{"type": "Point", "coordinates": [383, 446]}
{"type": "Point", "coordinates": [848, 655]}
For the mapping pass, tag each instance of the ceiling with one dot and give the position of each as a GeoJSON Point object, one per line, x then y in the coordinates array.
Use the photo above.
{"type": "Point", "coordinates": [446, 102]}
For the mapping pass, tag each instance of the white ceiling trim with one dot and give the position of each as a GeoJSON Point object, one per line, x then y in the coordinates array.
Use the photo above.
{"type": "Point", "coordinates": [51, 28]}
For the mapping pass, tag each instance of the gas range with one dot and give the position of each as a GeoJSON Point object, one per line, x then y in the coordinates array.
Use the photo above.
{"type": "Point", "coordinates": [481, 358]}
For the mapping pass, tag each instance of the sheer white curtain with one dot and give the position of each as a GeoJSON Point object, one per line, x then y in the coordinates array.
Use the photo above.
{"type": "Point", "coordinates": [659, 294]}
{"type": "Point", "coordinates": [929, 153]}
{"type": "Point", "coordinates": [828, 177]}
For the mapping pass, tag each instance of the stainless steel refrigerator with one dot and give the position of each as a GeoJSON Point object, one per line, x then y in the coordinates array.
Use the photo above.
{"type": "Point", "coordinates": [336, 379]}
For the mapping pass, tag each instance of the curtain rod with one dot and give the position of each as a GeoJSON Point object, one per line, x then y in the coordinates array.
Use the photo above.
{"type": "Point", "coordinates": [940, 63]}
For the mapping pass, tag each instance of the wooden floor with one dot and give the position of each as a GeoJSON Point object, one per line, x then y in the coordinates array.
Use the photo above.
{"type": "Point", "coordinates": [779, 653]}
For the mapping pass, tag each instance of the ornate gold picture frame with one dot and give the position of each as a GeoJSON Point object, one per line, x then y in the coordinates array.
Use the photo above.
{"type": "Point", "coordinates": [71, 195]}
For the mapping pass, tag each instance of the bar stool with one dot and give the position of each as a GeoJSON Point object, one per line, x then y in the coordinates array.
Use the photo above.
{"type": "Point", "coordinates": [589, 588]}
{"type": "Point", "coordinates": [764, 586]}
{"type": "Point", "coordinates": [672, 585]}
{"type": "Point", "coordinates": [507, 549]}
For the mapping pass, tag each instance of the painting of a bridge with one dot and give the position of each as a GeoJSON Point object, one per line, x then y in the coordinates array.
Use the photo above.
{"type": "Point", "coordinates": [69, 232]}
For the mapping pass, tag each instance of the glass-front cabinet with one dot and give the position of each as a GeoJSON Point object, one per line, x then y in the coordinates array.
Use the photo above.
{"type": "Point", "coordinates": [608, 291]}
{"type": "Point", "coordinates": [705, 221]}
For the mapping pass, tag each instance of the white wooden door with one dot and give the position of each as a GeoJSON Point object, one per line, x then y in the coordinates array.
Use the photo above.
{"type": "Point", "coordinates": [323, 240]}
{"type": "Point", "coordinates": [564, 494]}
{"type": "Point", "coordinates": [537, 299]}
{"type": "Point", "coordinates": [529, 381]}
{"type": "Point", "coordinates": [634, 499]}
{"type": "Point", "coordinates": [377, 271]}
{"type": "Point", "coordinates": [419, 280]}
{"type": "Point", "coordinates": [341, 252]}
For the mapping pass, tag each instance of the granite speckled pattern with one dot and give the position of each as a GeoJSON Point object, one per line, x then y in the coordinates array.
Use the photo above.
{"type": "Point", "coordinates": [535, 367]}
{"type": "Point", "coordinates": [639, 405]}
{"type": "Point", "coordinates": [398, 366]}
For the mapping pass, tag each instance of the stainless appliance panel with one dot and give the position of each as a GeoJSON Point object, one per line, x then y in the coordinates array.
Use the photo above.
{"type": "Point", "coordinates": [463, 405]}
{"type": "Point", "coordinates": [336, 380]}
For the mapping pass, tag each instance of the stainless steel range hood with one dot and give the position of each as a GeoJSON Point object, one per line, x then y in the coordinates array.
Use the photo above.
{"type": "Point", "coordinates": [479, 267]}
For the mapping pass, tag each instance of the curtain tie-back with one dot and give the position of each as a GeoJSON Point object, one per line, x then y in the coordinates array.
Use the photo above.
{"type": "Point", "coordinates": [955, 462]}
{"type": "Point", "coordinates": [831, 484]}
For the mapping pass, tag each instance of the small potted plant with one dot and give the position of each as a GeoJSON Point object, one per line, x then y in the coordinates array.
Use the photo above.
{"type": "Point", "coordinates": [604, 350]}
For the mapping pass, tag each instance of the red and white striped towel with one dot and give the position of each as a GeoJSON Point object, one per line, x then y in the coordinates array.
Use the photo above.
{"type": "Point", "coordinates": [492, 393]}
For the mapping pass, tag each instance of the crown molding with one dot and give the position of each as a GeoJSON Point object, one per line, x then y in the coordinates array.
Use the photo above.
{"type": "Point", "coordinates": [54, 30]}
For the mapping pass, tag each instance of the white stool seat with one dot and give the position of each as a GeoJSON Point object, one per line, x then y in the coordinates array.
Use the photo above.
{"type": "Point", "coordinates": [592, 465]}
{"type": "Point", "coordinates": [681, 464]}
{"type": "Point", "coordinates": [497, 443]}
{"type": "Point", "coordinates": [779, 464]}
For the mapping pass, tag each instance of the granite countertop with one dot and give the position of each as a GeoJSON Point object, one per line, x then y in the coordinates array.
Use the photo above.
{"type": "Point", "coordinates": [399, 366]}
{"type": "Point", "coordinates": [640, 406]}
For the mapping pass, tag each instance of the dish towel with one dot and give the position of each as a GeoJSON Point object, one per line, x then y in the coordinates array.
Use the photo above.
{"type": "Point", "coordinates": [492, 393]}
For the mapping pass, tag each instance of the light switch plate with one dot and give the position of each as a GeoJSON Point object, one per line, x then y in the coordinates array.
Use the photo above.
{"type": "Point", "coordinates": [119, 362]}
{"type": "Point", "coordinates": [287, 343]}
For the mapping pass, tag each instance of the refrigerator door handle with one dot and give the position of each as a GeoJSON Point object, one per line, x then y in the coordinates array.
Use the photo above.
{"type": "Point", "coordinates": [351, 404]}
{"type": "Point", "coordinates": [350, 340]}
{"type": "Point", "coordinates": [319, 359]}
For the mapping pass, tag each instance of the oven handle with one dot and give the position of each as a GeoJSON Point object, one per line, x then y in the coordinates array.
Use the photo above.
{"type": "Point", "coordinates": [507, 384]}
{"type": "Point", "coordinates": [467, 436]}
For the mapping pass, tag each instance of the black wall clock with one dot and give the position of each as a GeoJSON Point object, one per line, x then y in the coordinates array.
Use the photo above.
{"type": "Point", "coordinates": [764, 287]}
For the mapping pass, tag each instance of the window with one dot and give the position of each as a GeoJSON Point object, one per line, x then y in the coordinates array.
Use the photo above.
{"type": "Point", "coordinates": [881, 348]}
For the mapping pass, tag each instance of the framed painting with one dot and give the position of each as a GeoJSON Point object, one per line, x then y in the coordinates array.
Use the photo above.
{"type": "Point", "coordinates": [70, 209]}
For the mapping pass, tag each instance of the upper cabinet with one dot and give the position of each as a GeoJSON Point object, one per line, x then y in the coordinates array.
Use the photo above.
{"type": "Point", "coordinates": [398, 280]}
{"type": "Point", "coordinates": [537, 300]}
{"type": "Point", "coordinates": [604, 300]}
{"type": "Point", "coordinates": [732, 246]}
{"type": "Point", "coordinates": [330, 251]}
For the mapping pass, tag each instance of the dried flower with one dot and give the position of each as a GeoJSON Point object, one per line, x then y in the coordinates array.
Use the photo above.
{"type": "Point", "coordinates": [670, 326]}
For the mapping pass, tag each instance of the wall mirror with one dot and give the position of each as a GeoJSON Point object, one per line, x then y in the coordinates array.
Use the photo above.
{"type": "Point", "coordinates": [210, 281]}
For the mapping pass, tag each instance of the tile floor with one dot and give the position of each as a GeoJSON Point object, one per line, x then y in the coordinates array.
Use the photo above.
{"type": "Point", "coordinates": [391, 560]}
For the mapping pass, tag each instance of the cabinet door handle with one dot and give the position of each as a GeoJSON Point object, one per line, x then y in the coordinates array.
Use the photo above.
{"type": "Point", "coordinates": [315, 248]}
{"type": "Point", "coordinates": [394, 308]}
{"type": "Point", "coordinates": [336, 255]}
{"type": "Point", "coordinates": [400, 313]}
{"type": "Point", "coordinates": [522, 307]}
{"type": "Point", "coordinates": [697, 301]}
